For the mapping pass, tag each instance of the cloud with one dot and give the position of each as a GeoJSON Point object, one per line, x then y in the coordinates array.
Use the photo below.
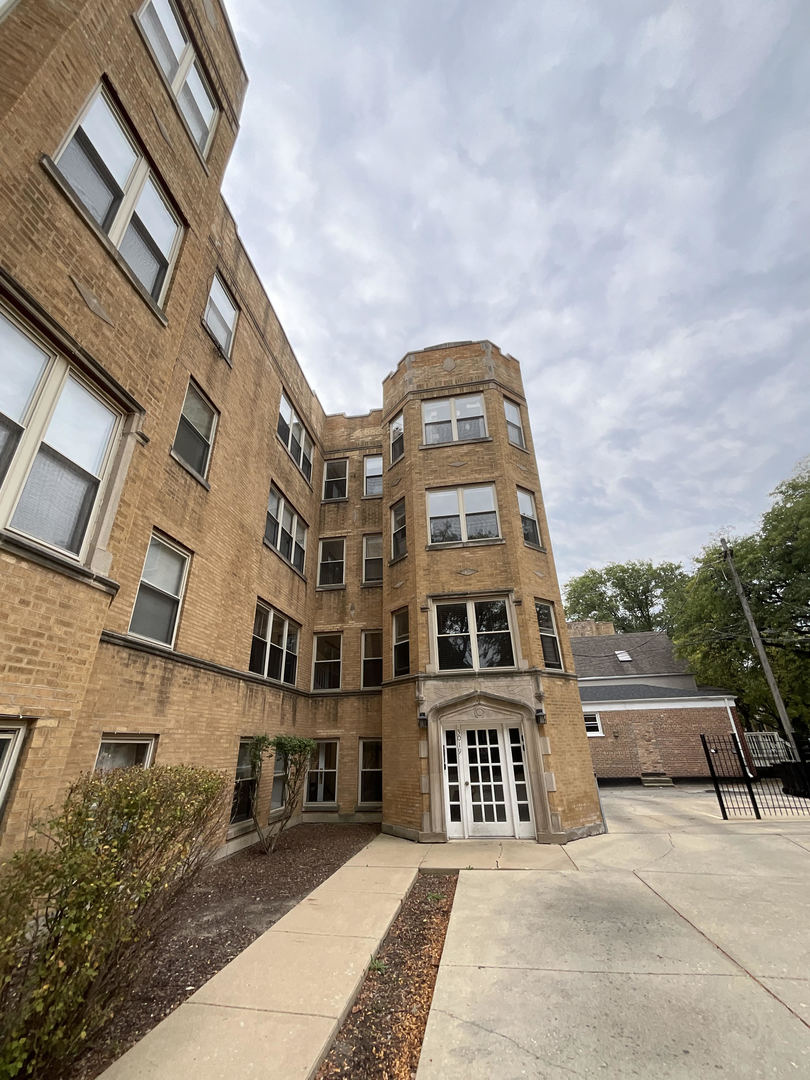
{"type": "Point", "coordinates": [613, 193]}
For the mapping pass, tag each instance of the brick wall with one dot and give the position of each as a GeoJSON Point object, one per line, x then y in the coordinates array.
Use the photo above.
{"type": "Point", "coordinates": [655, 740]}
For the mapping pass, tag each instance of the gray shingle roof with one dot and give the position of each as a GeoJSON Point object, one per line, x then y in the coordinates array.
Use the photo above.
{"type": "Point", "coordinates": [651, 652]}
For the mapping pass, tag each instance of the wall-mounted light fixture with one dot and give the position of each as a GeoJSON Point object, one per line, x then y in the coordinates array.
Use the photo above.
{"type": "Point", "coordinates": [540, 716]}
{"type": "Point", "coordinates": [422, 719]}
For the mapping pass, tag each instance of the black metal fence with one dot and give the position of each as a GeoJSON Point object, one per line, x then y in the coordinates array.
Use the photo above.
{"type": "Point", "coordinates": [783, 790]}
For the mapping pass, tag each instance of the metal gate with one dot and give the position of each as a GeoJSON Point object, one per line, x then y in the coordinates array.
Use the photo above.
{"type": "Point", "coordinates": [744, 791]}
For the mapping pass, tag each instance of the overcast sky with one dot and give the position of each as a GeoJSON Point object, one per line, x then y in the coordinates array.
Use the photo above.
{"type": "Point", "coordinates": [614, 191]}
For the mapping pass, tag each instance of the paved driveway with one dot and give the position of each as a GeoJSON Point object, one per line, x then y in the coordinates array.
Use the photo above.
{"type": "Point", "coordinates": [676, 946]}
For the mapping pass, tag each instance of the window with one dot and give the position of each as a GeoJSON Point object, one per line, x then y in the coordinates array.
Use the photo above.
{"type": "Point", "coordinates": [125, 752]}
{"type": "Point", "coordinates": [295, 437]}
{"type": "Point", "coordinates": [372, 475]}
{"type": "Point", "coordinates": [402, 648]}
{"type": "Point", "coordinates": [195, 431]}
{"type": "Point", "coordinates": [56, 441]}
{"type": "Point", "coordinates": [220, 315]}
{"type": "Point", "coordinates": [397, 430]}
{"type": "Point", "coordinates": [274, 649]}
{"type": "Point", "coordinates": [528, 517]}
{"type": "Point", "coordinates": [372, 658]}
{"type": "Point", "coordinates": [458, 514]}
{"type": "Point", "coordinates": [284, 530]}
{"type": "Point", "coordinates": [335, 479]}
{"type": "Point", "coordinates": [370, 771]}
{"type": "Point", "coordinates": [326, 673]}
{"type": "Point", "coordinates": [244, 787]}
{"type": "Point", "coordinates": [279, 793]}
{"type": "Point", "coordinates": [593, 724]}
{"type": "Point", "coordinates": [548, 635]}
{"type": "Point", "coordinates": [399, 539]}
{"type": "Point", "coordinates": [157, 604]}
{"type": "Point", "coordinates": [473, 634]}
{"type": "Point", "coordinates": [321, 784]}
{"type": "Point", "coordinates": [177, 60]}
{"type": "Point", "coordinates": [12, 737]}
{"type": "Point", "coordinates": [330, 563]}
{"type": "Point", "coordinates": [111, 178]}
{"type": "Point", "coordinates": [514, 427]}
{"type": "Point", "coordinates": [372, 559]}
{"type": "Point", "coordinates": [454, 419]}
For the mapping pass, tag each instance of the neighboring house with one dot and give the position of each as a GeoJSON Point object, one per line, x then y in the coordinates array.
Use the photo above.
{"type": "Point", "coordinates": [644, 713]}
{"type": "Point", "coordinates": [193, 552]}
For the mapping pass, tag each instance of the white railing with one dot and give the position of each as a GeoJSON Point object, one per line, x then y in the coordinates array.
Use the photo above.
{"type": "Point", "coordinates": [768, 748]}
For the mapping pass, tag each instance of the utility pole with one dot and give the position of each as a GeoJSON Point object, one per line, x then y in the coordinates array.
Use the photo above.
{"type": "Point", "coordinates": [787, 727]}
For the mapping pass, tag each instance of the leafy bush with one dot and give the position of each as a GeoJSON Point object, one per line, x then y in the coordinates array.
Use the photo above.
{"type": "Point", "coordinates": [296, 754]}
{"type": "Point", "coordinates": [78, 917]}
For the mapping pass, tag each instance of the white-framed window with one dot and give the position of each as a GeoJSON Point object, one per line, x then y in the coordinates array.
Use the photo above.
{"type": "Point", "coordinates": [175, 55]}
{"type": "Point", "coordinates": [372, 475]}
{"type": "Point", "coordinates": [274, 647]}
{"type": "Point", "coordinates": [401, 639]}
{"type": "Point", "coordinates": [372, 658]}
{"type": "Point", "coordinates": [473, 634]}
{"type": "Point", "coordinates": [548, 635]}
{"type": "Point", "coordinates": [195, 430]}
{"type": "Point", "coordinates": [461, 514]}
{"type": "Point", "coordinates": [12, 737]}
{"type": "Point", "coordinates": [370, 779]}
{"type": "Point", "coordinates": [514, 425]}
{"type": "Point", "coordinates": [335, 479]}
{"type": "Point", "coordinates": [372, 559]}
{"type": "Point", "coordinates": [399, 536]}
{"type": "Point", "coordinates": [295, 437]}
{"type": "Point", "coordinates": [321, 782]}
{"type": "Point", "coordinates": [279, 793]}
{"type": "Point", "coordinates": [454, 419]}
{"type": "Point", "coordinates": [528, 517]}
{"type": "Point", "coordinates": [331, 561]}
{"type": "Point", "coordinates": [109, 174]}
{"type": "Point", "coordinates": [221, 314]}
{"type": "Point", "coordinates": [593, 724]}
{"type": "Point", "coordinates": [160, 592]}
{"type": "Point", "coordinates": [285, 530]}
{"type": "Point", "coordinates": [327, 661]}
{"type": "Point", "coordinates": [57, 436]}
{"type": "Point", "coordinates": [397, 432]}
{"type": "Point", "coordinates": [125, 752]}
{"type": "Point", "coordinates": [244, 785]}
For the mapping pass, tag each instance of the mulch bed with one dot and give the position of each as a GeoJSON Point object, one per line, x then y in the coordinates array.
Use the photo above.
{"type": "Point", "coordinates": [230, 905]}
{"type": "Point", "coordinates": [381, 1038]}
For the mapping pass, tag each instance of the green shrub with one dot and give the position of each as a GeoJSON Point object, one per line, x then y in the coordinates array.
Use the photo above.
{"type": "Point", "coordinates": [78, 917]}
{"type": "Point", "coordinates": [295, 753]}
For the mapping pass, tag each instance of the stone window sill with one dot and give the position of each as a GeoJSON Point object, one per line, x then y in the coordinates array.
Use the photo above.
{"type": "Point", "coordinates": [286, 562]}
{"type": "Point", "coordinates": [187, 468]}
{"type": "Point", "coordinates": [466, 544]}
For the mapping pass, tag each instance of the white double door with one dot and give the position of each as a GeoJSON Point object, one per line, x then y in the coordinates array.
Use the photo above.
{"type": "Point", "coordinates": [485, 781]}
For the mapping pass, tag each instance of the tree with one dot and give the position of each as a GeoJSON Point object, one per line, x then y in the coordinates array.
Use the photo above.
{"type": "Point", "coordinates": [295, 753]}
{"type": "Point", "coordinates": [709, 628]}
{"type": "Point", "coordinates": [634, 596]}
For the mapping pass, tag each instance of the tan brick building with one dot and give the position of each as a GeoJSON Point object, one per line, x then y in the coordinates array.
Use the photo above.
{"type": "Point", "coordinates": [191, 551]}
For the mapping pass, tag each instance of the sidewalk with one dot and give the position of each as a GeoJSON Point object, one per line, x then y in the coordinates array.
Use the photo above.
{"type": "Point", "coordinates": [680, 949]}
{"type": "Point", "coordinates": [273, 1011]}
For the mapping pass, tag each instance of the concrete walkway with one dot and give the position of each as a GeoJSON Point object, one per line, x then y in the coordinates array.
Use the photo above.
{"type": "Point", "coordinates": [273, 1011]}
{"type": "Point", "coordinates": [680, 949]}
